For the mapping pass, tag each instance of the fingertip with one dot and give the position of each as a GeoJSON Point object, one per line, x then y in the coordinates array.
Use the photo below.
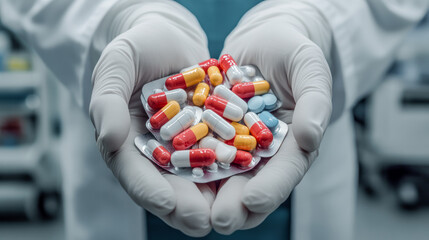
{"type": "Point", "coordinates": [311, 117]}
{"type": "Point", "coordinates": [257, 200]}
{"type": "Point", "coordinates": [110, 116]}
{"type": "Point", "coordinates": [161, 202]}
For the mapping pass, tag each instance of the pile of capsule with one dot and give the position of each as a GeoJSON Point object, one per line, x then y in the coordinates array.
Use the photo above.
{"type": "Point", "coordinates": [223, 111]}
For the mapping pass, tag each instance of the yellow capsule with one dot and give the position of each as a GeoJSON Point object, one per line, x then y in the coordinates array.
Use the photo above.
{"type": "Point", "coordinates": [243, 142]}
{"type": "Point", "coordinates": [166, 113]}
{"type": "Point", "coordinates": [200, 130]}
{"type": "Point", "coordinates": [215, 76]}
{"type": "Point", "coordinates": [200, 94]}
{"type": "Point", "coordinates": [240, 129]}
{"type": "Point", "coordinates": [261, 87]}
{"type": "Point", "coordinates": [194, 76]}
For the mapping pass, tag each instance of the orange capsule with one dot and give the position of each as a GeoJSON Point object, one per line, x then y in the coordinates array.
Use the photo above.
{"type": "Point", "coordinates": [185, 79]}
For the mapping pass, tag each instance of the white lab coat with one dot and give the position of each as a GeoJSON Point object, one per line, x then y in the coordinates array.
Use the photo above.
{"type": "Point", "coordinates": [365, 36]}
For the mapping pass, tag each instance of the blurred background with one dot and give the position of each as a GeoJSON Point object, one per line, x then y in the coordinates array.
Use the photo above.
{"type": "Point", "coordinates": [39, 122]}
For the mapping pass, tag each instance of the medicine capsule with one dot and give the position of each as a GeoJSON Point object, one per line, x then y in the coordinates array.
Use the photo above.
{"type": "Point", "coordinates": [158, 152]}
{"type": "Point", "coordinates": [185, 79]}
{"type": "Point", "coordinates": [228, 95]}
{"type": "Point", "coordinates": [230, 67]}
{"type": "Point", "coordinates": [190, 136]}
{"type": "Point", "coordinates": [243, 158]}
{"type": "Point", "coordinates": [177, 124]}
{"type": "Point", "coordinates": [250, 89]}
{"type": "Point", "coordinates": [166, 113]}
{"type": "Point", "coordinates": [240, 129]}
{"type": "Point", "coordinates": [218, 124]}
{"type": "Point", "coordinates": [224, 153]}
{"type": "Point", "coordinates": [258, 129]}
{"type": "Point", "coordinates": [204, 65]}
{"type": "Point", "coordinates": [215, 76]}
{"type": "Point", "coordinates": [193, 158]}
{"type": "Point", "coordinates": [200, 94]}
{"type": "Point", "coordinates": [159, 100]}
{"type": "Point", "coordinates": [224, 108]}
{"type": "Point", "coordinates": [243, 142]}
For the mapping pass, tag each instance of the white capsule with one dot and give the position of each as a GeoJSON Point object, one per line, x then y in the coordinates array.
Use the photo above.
{"type": "Point", "coordinates": [234, 74]}
{"type": "Point", "coordinates": [228, 95]}
{"type": "Point", "coordinates": [218, 125]}
{"type": "Point", "coordinates": [183, 120]}
{"type": "Point", "coordinates": [224, 152]}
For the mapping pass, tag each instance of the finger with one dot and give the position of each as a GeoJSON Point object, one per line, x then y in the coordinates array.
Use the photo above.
{"type": "Point", "coordinates": [192, 212]}
{"type": "Point", "coordinates": [273, 183]}
{"type": "Point", "coordinates": [311, 85]}
{"type": "Point", "coordinates": [139, 177]}
{"type": "Point", "coordinates": [228, 212]}
{"type": "Point", "coordinates": [113, 83]}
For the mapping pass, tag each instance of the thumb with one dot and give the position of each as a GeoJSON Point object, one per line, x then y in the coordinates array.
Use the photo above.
{"type": "Point", "coordinates": [113, 83]}
{"type": "Point", "coordinates": [311, 84]}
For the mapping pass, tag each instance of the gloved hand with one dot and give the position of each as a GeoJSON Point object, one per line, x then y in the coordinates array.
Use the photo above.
{"type": "Point", "coordinates": [151, 39]}
{"type": "Point", "coordinates": [289, 41]}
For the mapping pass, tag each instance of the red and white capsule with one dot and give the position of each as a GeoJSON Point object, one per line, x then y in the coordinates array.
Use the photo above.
{"type": "Point", "coordinates": [159, 100]}
{"type": "Point", "coordinates": [257, 128]}
{"type": "Point", "coordinates": [193, 158]}
{"type": "Point", "coordinates": [158, 152]}
{"type": "Point", "coordinates": [224, 108]}
{"type": "Point", "coordinates": [230, 67]}
{"type": "Point", "coordinates": [204, 65]}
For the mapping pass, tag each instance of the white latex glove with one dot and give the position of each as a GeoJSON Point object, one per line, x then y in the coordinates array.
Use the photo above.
{"type": "Point", "coordinates": [152, 39]}
{"type": "Point", "coordinates": [289, 42]}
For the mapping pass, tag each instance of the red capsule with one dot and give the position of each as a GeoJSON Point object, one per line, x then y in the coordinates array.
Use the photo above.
{"type": "Point", "coordinates": [208, 63]}
{"type": "Point", "coordinates": [243, 158]}
{"type": "Point", "coordinates": [159, 153]}
{"type": "Point", "coordinates": [258, 129]}
{"type": "Point", "coordinates": [193, 158]}
{"type": "Point", "coordinates": [159, 100]}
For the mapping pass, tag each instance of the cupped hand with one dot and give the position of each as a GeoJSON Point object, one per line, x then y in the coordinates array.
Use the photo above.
{"type": "Point", "coordinates": [290, 43]}
{"type": "Point", "coordinates": [154, 40]}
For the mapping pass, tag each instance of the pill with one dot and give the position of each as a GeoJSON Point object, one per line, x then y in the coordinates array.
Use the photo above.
{"type": "Point", "coordinates": [204, 65]}
{"type": "Point", "coordinates": [224, 153]}
{"type": "Point", "coordinates": [256, 104]}
{"type": "Point", "coordinates": [190, 136]}
{"type": "Point", "coordinates": [250, 89]}
{"type": "Point", "coordinates": [249, 71]}
{"type": "Point", "coordinates": [185, 79]}
{"type": "Point", "coordinates": [224, 108]}
{"type": "Point", "coordinates": [269, 120]}
{"type": "Point", "coordinates": [215, 76]}
{"type": "Point", "coordinates": [231, 69]}
{"type": "Point", "coordinates": [158, 100]}
{"type": "Point", "coordinates": [240, 129]}
{"type": "Point", "coordinates": [200, 94]}
{"type": "Point", "coordinates": [158, 152]}
{"type": "Point", "coordinates": [243, 142]}
{"type": "Point", "coordinates": [257, 128]}
{"type": "Point", "coordinates": [164, 115]}
{"type": "Point", "coordinates": [218, 125]}
{"type": "Point", "coordinates": [193, 158]}
{"type": "Point", "coordinates": [197, 172]}
{"type": "Point", "coordinates": [177, 124]}
{"type": "Point", "coordinates": [228, 95]}
{"type": "Point", "coordinates": [270, 101]}
{"type": "Point", "coordinates": [213, 167]}
{"type": "Point", "coordinates": [243, 158]}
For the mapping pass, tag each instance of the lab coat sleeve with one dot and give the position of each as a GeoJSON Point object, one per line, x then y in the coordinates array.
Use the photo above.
{"type": "Point", "coordinates": [61, 33]}
{"type": "Point", "coordinates": [366, 34]}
